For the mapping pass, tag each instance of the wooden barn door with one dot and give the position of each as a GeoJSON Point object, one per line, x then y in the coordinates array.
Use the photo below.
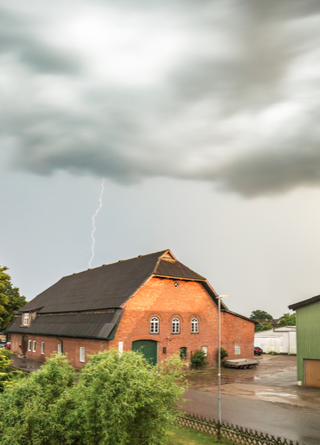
{"type": "Point", "coordinates": [148, 348]}
{"type": "Point", "coordinates": [312, 373]}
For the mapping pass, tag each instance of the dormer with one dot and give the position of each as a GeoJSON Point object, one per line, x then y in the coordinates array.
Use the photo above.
{"type": "Point", "coordinates": [26, 319]}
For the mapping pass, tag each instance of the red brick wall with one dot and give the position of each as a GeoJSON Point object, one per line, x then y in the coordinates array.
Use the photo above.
{"type": "Point", "coordinates": [236, 331]}
{"type": "Point", "coordinates": [160, 297]}
{"type": "Point", "coordinates": [71, 347]}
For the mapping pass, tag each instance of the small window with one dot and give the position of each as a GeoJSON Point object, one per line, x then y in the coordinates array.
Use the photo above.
{"type": "Point", "coordinates": [82, 355]}
{"type": "Point", "coordinates": [26, 319]}
{"type": "Point", "coordinates": [194, 326]}
{"type": "Point", "coordinates": [34, 346]}
{"type": "Point", "coordinates": [175, 325]}
{"type": "Point", "coordinates": [59, 348]}
{"type": "Point", "coordinates": [237, 349]}
{"type": "Point", "coordinates": [183, 353]}
{"type": "Point", "coordinates": [29, 345]}
{"type": "Point", "coordinates": [42, 347]}
{"type": "Point", "coordinates": [205, 350]}
{"type": "Point", "coordinates": [154, 325]}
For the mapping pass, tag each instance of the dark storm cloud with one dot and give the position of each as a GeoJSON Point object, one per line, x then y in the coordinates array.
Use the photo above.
{"type": "Point", "coordinates": [229, 95]}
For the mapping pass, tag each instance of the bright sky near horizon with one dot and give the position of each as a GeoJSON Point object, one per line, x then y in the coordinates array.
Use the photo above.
{"type": "Point", "coordinates": [203, 118]}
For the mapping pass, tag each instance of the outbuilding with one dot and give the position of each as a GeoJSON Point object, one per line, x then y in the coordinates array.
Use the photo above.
{"type": "Point", "coordinates": [277, 340]}
{"type": "Point", "coordinates": [308, 344]}
{"type": "Point", "coordinates": [152, 302]}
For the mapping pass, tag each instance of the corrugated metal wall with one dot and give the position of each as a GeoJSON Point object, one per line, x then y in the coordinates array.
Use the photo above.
{"type": "Point", "coordinates": [308, 335]}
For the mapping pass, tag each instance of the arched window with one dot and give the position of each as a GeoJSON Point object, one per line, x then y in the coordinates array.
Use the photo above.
{"type": "Point", "coordinates": [176, 326]}
{"type": "Point", "coordinates": [194, 325]}
{"type": "Point", "coordinates": [154, 325]}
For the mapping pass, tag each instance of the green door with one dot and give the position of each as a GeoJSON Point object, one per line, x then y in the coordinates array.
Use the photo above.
{"type": "Point", "coordinates": [148, 348]}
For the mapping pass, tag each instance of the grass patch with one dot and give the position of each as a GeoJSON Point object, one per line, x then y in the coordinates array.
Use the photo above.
{"type": "Point", "coordinates": [186, 436]}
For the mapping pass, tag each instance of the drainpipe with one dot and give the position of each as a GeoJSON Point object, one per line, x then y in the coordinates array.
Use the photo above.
{"type": "Point", "coordinates": [61, 341]}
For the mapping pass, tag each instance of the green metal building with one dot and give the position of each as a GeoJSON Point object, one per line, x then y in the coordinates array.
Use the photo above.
{"type": "Point", "coordinates": [308, 341]}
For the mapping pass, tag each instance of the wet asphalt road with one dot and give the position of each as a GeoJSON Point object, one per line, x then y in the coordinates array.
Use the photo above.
{"type": "Point", "coordinates": [278, 419]}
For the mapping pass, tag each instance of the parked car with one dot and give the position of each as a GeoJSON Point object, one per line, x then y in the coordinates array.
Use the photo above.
{"type": "Point", "coordinates": [2, 345]}
{"type": "Point", "coordinates": [257, 350]}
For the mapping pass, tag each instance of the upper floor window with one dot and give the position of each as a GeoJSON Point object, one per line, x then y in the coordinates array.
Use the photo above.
{"type": "Point", "coordinates": [154, 325]}
{"type": "Point", "coordinates": [26, 319]}
{"type": "Point", "coordinates": [176, 326]}
{"type": "Point", "coordinates": [194, 325]}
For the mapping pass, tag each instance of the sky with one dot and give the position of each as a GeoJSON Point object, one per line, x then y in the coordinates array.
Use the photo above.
{"type": "Point", "coordinates": [202, 118]}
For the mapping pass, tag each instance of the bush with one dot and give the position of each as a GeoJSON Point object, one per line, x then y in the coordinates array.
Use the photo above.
{"type": "Point", "coordinates": [8, 376]}
{"type": "Point", "coordinates": [223, 353]}
{"type": "Point", "coordinates": [198, 359]}
{"type": "Point", "coordinates": [117, 400]}
{"type": "Point", "coordinates": [27, 411]}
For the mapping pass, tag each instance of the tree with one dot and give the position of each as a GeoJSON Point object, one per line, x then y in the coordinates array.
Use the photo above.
{"type": "Point", "coordinates": [116, 399]}
{"type": "Point", "coordinates": [265, 326]}
{"type": "Point", "coordinates": [10, 299]}
{"type": "Point", "coordinates": [260, 315]}
{"type": "Point", "coordinates": [287, 320]}
{"type": "Point", "coordinates": [8, 376]}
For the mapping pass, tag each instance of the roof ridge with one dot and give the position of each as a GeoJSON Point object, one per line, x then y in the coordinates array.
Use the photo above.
{"type": "Point", "coordinates": [116, 262]}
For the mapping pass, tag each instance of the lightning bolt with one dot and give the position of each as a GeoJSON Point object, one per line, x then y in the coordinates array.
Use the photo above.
{"type": "Point", "coordinates": [94, 222]}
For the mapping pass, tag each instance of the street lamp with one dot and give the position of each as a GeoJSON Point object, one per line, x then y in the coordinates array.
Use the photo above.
{"type": "Point", "coordinates": [219, 355]}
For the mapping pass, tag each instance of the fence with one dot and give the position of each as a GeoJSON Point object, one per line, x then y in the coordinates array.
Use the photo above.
{"type": "Point", "coordinates": [233, 433]}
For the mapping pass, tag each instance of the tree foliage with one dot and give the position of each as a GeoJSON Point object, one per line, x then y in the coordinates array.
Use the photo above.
{"type": "Point", "coordinates": [260, 315]}
{"type": "Point", "coordinates": [10, 299]}
{"type": "Point", "coordinates": [8, 376]}
{"type": "Point", "coordinates": [287, 320]}
{"type": "Point", "coordinates": [265, 326]}
{"type": "Point", "coordinates": [117, 399]}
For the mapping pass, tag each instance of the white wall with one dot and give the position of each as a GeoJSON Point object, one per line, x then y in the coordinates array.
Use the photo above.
{"type": "Point", "coordinates": [279, 340]}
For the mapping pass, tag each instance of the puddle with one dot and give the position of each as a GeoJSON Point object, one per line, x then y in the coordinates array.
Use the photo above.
{"type": "Point", "coordinates": [275, 394]}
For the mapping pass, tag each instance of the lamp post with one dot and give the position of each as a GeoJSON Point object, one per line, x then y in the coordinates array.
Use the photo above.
{"type": "Point", "coordinates": [219, 355]}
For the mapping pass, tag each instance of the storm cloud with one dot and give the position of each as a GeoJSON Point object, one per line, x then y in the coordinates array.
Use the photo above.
{"type": "Point", "coordinates": [224, 91]}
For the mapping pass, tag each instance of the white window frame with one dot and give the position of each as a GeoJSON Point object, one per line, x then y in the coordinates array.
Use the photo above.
{"type": "Point", "coordinates": [154, 325]}
{"type": "Point", "coordinates": [205, 350]}
{"type": "Point", "coordinates": [29, 345]}
{"type": "Point", "coordinates": [34, 346]}
{"type": "Point", "coordinates": [59, 348]}
{"type": "Point", "coordinates": [42, 347]}
{"type": "Point", "coordinates": [194, 325]}
{"type": "Point", "coordinates": [26, 319]}
{"type": "Point", "coordinates": [237, 349]}
{"type": "Point", "coordinates": [175, 325]}
{"type": "Point", "coordinates": [82, 354]}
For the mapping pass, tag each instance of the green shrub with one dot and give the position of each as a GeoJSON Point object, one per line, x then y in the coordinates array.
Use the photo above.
{"type": "Point", "coordinates": [198, 359]}
{"type": "Point", "coordinates": [118, 399]}
{"type": "Point", "coordinates": [223, 353]}
{"type": "Point", "coordinates": [8, 376]}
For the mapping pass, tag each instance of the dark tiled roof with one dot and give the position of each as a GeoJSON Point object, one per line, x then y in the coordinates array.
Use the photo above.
{"type": "Point", "coordinates": [172, 268]}
{"type": "Point", "coordinates": [108, 286]}
{"type": "Point", "coordinates": [83, 325]}
{"type": "Point", "coordinates": [304, 302]}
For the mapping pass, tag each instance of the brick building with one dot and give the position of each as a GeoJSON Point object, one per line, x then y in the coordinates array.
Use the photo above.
{"type": "Point", "coordinates": [152, 301]}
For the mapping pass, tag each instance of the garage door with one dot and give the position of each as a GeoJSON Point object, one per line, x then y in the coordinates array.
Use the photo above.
{"type": "Point", "coordinates": [312, 373]}
{"type": "Point", "coordinates": [148, 349]}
